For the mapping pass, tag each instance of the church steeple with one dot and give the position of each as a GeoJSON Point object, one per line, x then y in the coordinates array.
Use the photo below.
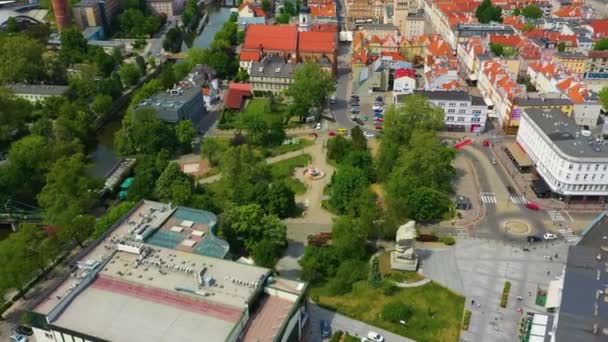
{"type": "Point", "coordinates": [304, 22]}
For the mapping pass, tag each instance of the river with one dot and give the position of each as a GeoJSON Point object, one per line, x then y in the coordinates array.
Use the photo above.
{"type": "Point", "coordinates": [104, 157]}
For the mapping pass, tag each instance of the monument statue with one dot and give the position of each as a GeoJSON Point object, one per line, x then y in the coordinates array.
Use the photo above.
{"type": "Point", "coordinates": [404, 256]}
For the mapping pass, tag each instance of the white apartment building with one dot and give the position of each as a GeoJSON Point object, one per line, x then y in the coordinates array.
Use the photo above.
{"type": "Point", "coordinates": [463, 112]}
{"type": "Point", "coordinates": [37, 92]}
{"type": "Point", "coordinates": [572, 162]}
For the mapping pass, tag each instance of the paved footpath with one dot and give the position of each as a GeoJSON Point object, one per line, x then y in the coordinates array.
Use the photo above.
{"type": "Point", "coordinates": [346, 324]}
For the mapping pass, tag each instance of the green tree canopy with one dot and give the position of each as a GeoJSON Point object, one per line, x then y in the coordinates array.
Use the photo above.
{"type": "Point", "coordinates": [486, 12]}
{"type": "Point", "coordinates": [374, 279]}
{"type": "Point", "coordinates": [246, 226]}
{"type": "Point", "coordinates": [349, 237]}
{"type": "Point", "coordinates": [144, 132]}
{"type": "Point", "coordinates": [21, 58]}
{"type": "Point", "coordinates": [173, 185]}
{"type": "Point", "coordinates": [241, 171]}
{"type": "Point", "coordinates": [532, 12]}
{"type": "Point", "coordinates": [73, 46]}
{"type": "Point", "coordinates": [416, 112]}
{"type": "Point", "coordinates": [318, 263]}
{"type": "Point", "coordinates": [347, 184]}
{"type": "Point", "coordinates": [213, 149]}
{"type": "Point", "coordinates": [310, 88]}
{"type": "Point", "coordinates": [129, 74]}
{"type": "Point", "coordinates": [601, 45]}
{"type": "Point", "coordinates": [134, 24]}
{"type": "Point", "coordinates": [13, 116]}
{"type": "Point", "coordinates": [185, 133]}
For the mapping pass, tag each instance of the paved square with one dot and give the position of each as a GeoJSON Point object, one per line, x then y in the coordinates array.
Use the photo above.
{"type": "Point", "coordinates": [478, 269]}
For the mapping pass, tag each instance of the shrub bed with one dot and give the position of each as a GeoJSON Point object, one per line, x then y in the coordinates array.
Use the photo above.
{"type": "Point", "coordinates": [505, 294]}
{"type": "Point", "coordinates": [466, 320]}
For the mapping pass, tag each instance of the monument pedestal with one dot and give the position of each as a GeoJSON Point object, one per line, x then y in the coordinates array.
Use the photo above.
{"type": "Point", "coordinates": [403, 264]}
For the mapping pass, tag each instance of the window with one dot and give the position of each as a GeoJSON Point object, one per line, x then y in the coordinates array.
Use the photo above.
{"type": "Point", "coordinates": [460, 119]}
{"type": "Point", "coordinates": [441, 104]}
{"type": "Point", "coordinates": [570, 167]}
{"type": "Point", "coordinates": [585, 176]}
{"type": "Point", "coordinates": [567, 176]}
{"type": "Point", "coordinates": [577, 176]}
{"type": "Point", "coordinates": [592, 177]}
{"type": "Point", "coordinates": [449, 118]}
{"type": "Point", "coordinates": [462, 111]}
{"type": "Point", "coordinates": [451, 111]}
{"type": "Point", "coordinates": [588, 167]}
{"type": "Point", "coordinates": [463, 104]}
{"type": "Point", "coordinates": [475, 119]}
{"type": "Point", "coordinates": [580, 167]}
{"type": "Point", "coordinates": [452, 104]}
{"type": "Point", "coordinates": [477, 112]}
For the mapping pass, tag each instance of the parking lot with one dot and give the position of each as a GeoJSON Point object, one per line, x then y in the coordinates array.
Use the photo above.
{"type": "Point", "coordinates": [368, 112]}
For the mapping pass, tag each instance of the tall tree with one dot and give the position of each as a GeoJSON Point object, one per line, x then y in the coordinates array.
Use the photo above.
{"type": "Point", "coordinates": [532, 12]}
{"type": "Point", "coordinates": [213, 149]}
{"type": "Point", "coordinates": [129, 74]}
{"type": "Point", "coordinates": [416, 112]}
{"type": "Point", "coordinates": [185, 133]}
{"type": "Point", "coordinates": [73, 46]}
{"type": "Point", "coordinates": [486, 12]}
{"type": "Point", "coordinates": [347, 184]}
{"type": "Point", "coordinates": [374, 279]}
{"type": "Point", "coordinates": [173, 185]}
{"type": "Point", "coordinates": [144, 132]}
{"type": "Point", "coordinates": [310, 88]}
{"type": "Point", "coordinates": [349, 237]}
{"type": "Point", "coordinates": [21, 59]}
{"type": "Point", "coordinates": [241, 170]}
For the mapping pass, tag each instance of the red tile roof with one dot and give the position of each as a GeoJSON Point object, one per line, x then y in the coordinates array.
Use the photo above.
{"type": "Point", "coordinates": [316, 42]}
{"type": "Point", "coordinates": [259, 12]}
{"type": "Point", "coordinates": [600, 27]}
{"type": "Point", "coordinates": [206, 91]}
{"type": "Point", "coordinates": [271, 37]}
{"type": "Point", "coordinates": [250, 56]}
{"type": "Point", "coordinates": [403, 72]}
{"type": "Point", "coordinates": [568, 12]}
{"type": "Point", "coordinates": [237, 92]}
{"type": "Point", "coordinates": [512, 41]}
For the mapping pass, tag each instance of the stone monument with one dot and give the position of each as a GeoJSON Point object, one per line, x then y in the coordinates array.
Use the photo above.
{"type": "Point", "coordinates": [404, 256]}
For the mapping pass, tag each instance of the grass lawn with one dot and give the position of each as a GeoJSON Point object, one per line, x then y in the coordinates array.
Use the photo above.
{"type": "Point", "coordinates": [399, 276]}
{"type": "Point", "coordinates": [300, 144]}
{"type": "Point", "coordinates": [283, 170]}
{"type": "Point", "coordinates": [437, 311]}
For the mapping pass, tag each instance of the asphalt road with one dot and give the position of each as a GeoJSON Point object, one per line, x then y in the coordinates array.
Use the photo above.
{"type": "Point", "coordinates": [343, 323]}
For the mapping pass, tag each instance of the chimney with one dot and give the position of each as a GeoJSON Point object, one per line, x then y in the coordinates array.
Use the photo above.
{"type": "Point", "coordinates": [62, 14]}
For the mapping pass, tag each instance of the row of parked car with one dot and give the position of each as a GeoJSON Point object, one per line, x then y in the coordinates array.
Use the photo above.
{"type": "Point", "coordinates": [21, 334]}
{"type": "Point", "coordinates": [377, 108]}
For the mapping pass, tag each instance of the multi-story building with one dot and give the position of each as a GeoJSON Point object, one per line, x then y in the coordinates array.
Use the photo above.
{"type": "Point", "coordinates": [183, 102]}
{"type": "Point", "coordinates": [463, 32]}
{"type": "Point", "coordinates": [596, 75]}
{"type": "Point", "coordinates": [498, 87]}
{"type": "Point", "coordinates": [572, 161]}
{"type": "Point", "coordinates": [380, 30]}
{"type": "Point", "coordinates": [170, 8]}
{"type": "Point", "coordinates": [575, 61]}
{"type": "Point", "coordinates": [272, 73]}
{"type": "Point", "coordinates": [463, 112]}
{"type": "Point", "coordinates": [37, 92]}
{"type": "Point", "coordinates": [159, 274]}
{"type": "Point", "coordinates": [88, 13]}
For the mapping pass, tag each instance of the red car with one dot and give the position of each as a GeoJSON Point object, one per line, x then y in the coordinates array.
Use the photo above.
{"type": "Point", "coordinates": [377, 119]}
{"type": "Point", "coordinates": [332, 133]}
{"type": "Point", "coordinates": [486, 143]}
{"type": "Point", "coordinates": [532, 206]}
{"type": "Point", "coordinates": [378, 127]}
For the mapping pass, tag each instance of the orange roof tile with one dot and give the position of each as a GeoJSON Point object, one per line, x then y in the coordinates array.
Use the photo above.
{"type": "Point", "coordinates": [259, 12]}
{"type": "Point", "coordinates": [271, 37]}
{"type": "Point", "coordinates": [568, 12]}
{"type": "Point", "coordinates": [600, 27]}
{"type": "Point", "coordinates": [250, 56]}
{"type": "Point", "coordinates": [316, 42]}
{"type": "Point", "coordinates": [512, 41]}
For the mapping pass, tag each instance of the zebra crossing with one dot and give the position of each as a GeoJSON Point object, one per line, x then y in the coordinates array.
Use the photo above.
{"type": "Point", "coordinates": [520, 200]}
{"type": "Point", "coordinates": [488, 197]}
{"type": "Point", "coordinates": [568, 235]}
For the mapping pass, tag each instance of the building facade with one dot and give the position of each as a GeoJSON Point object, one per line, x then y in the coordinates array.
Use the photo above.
{"type": "Point", "coordinates": [89, 13]}
{"type": "Point", "coordinates": [272, 74]}
{"type": "Point", "coordinates": [170, 8]}
{"type": "Point", "coordinates": [37, 92]}
{"type": "Point", "coordinates": [463, 112]}
{"type": "Point", "coordinates": [571, 161]}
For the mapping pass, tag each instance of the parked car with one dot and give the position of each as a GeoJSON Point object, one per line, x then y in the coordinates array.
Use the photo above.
{"type": "Point", "coordinates": [355, 97]}
{"type": "Point", "coordinates": [325, 329]}
{"type": "Point", "coordinates": [331, 133]}
{"type": "Point", "coordinates": [533, 238]}
{"type": "Point", "coordinates": [23, 330]}
{"type": "Point", "coordinates": [359, 122]}
{"type": "Point", "coordinates": [318, 126]}
{"type": "Point", "coordinates": [379, 99]}
{"type": "Point", "coordinates": [486, 143]}
{"type": "Point", "coordinates": [493, 161]}
{"type": "Point", "coordinates": [378, 108]}
{"type": "Point", "coordinates": [374, 336]}
{"type": "Point", "coordinates": [18, 338]}
{"type": "Point", "coordinates": [532, 206]}
{"type": "Point", "coordinates": [355, 110]}
{"type": "Point", "coordinates": [368, 135]}
{"type": "Point", "coordinates": [549, 236]}
{"type": "Point", "coordinates": [379, 116]}
{"type": "Point", "coordinates": [377, 119]}
{"type": "Point", "coordinates": [378, 127]}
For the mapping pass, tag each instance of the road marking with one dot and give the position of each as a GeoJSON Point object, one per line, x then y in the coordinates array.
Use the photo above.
{"type": "Point", "coordinates": [568, 235]}
{"type": "Point", "coordinates": [487, 197]}
{"type": "Point", "coordinates": [567, 213]}
{"type": "Point", "coordinates": [556, 216]}
{"type": "Point", "coordinates": [518, 199]}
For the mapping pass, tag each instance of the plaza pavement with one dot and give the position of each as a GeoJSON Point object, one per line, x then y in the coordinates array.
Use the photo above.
{"type": "Point", "coordinates": [478, 270]}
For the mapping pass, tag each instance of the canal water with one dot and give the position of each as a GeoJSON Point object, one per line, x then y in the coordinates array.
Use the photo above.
{"type": "Point", "coordinates": [104, 157]}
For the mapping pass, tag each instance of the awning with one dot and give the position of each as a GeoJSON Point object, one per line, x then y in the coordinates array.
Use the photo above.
{"type": "Point", "coordinates": [554, 294]}
{"type": "Point", "coordinates": [520, 157]}
{"type": "Point", "coordinates": [534, 338]}
{"type": "Point", "coordinates": [540, 319]}
{"type": "Point", "coordinates": [538, 330]}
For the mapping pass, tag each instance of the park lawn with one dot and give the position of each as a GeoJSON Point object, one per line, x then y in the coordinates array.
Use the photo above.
{"type": "Point", "coordinates": [284, 169]}
{"type": "Point", "coordinates": [384, 260]}
{"type": "Point", "coordinates": [282, 149]}
{"type": "Point", "coordinates": [261, 106]}
{"type": "Point", "coordinates": [437, 311]}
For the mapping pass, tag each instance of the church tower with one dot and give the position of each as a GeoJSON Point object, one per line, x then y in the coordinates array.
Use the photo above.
{"type": "Point", "coordinates": [304, 22]}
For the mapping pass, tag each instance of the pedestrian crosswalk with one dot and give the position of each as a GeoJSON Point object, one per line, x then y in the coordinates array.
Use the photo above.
{"type": "Point", "coordinates": [488, 197]}
{"type": "Point", "coordinates": [515, 199]}
{"type": "Point", "coordinates": [556, 216]}
{"type": "Point", "coordinates": [569, 235]}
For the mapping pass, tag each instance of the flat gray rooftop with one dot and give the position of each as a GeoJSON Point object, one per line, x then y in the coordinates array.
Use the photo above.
{"type": "Point", "coordinates": [39, 89]}
{"type": "Point", "coordinates": [566, 134]}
